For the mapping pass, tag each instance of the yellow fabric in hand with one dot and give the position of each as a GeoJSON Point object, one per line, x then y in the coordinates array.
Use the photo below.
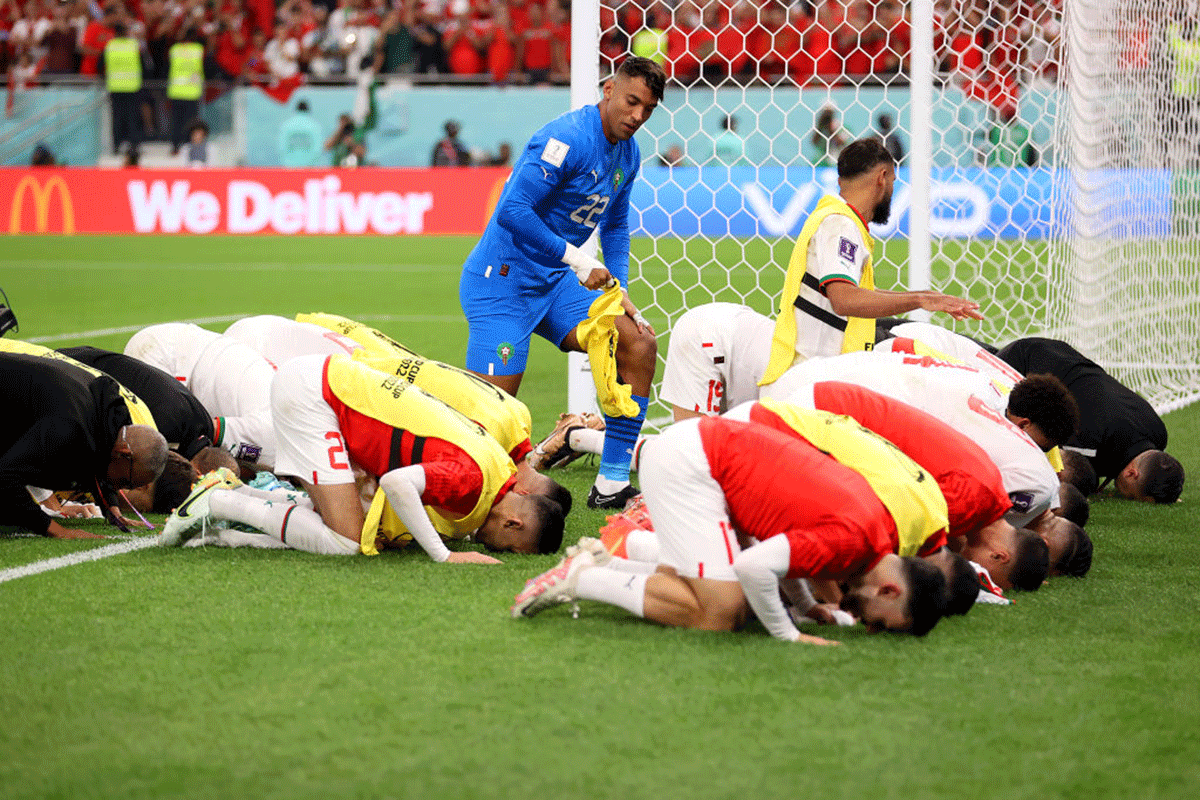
{"type": "Point", "coordinates": [598, 336]}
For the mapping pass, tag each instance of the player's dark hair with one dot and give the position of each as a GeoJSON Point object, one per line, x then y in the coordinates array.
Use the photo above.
{"type": "Point", "coordinates": [174, 485]}
{"type": "Point", "coordinates": [1079, 472]}
{"type": "Point", "coordinates": [1161, 477]}
{"type": "Point", "coordinates": [963, 588]}
{"type": "Point", "coordinates": [860, 156]}
{"type": "Point", "coordinates": [548, 518]}
{"type": "Point", "coordinates": [1047, 403]}
{"type": "Point", "coordinates": [211, 458]}
{"type": "Point", "coordinates": [648, 70]}
{"type": "Point", "coordinates": [1076, 559]}
{"type": "Point", "coordinates": [559, 494]}
{"type": "Point", "coordinates": [927, 594]}
{"type": "Point", "coordinates": [1073, 505]}
{"type": "Point", "coordinates": [1031, 562]}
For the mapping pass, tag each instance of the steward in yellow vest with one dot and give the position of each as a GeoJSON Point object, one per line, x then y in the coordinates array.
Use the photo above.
{"type": "Point", "coordinates": [123, 78]}
{"type": "Point", "coordinates": [829, 300]}
{"type": "Point", "coordinates": [185, 85]}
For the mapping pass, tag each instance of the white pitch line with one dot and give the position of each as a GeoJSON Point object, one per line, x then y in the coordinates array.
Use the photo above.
{"type": "Point", "coordinates": [401, 318]}
{"type": "Point", "coordinates": [81, 557]}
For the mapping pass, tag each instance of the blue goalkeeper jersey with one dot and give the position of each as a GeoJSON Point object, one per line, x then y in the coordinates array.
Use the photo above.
{"type": "Point", "coordinates": [569, 181]}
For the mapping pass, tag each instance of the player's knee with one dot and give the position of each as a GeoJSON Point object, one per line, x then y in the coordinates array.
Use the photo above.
{"type": "Point", "coordinates": [638, 349]}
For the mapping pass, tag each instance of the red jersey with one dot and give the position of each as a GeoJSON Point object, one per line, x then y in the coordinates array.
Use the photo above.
{"type": "Point", "coordinates": [95, 36]}
{"type": "Point", "coordinates": [453, 481]}
{"type": "Point", "coordinates": [969, 479]}
{"type": "Point", "coordinates": [774, 483]}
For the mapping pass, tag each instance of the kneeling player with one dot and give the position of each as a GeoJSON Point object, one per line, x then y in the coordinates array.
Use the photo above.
{"type": "Point", "coordinates": [332, 411]}
{"type": "Point", "coordinates": [707, 480]}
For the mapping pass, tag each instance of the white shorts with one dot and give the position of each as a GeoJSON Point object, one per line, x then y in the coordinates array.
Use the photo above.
{"type": "Point", "coordinates": [691, 518]}
{"type": "Point", "coordinates": [307, 434]}
{"type": "Point", "coordinates": [279, 339]}
{"type": "Point", "coordinates": [716, 356]}
{"type": "Point", "coordinates": [173, 347]}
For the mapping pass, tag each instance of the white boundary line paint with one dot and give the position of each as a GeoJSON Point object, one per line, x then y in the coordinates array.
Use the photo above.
{"type": "Point", "coordinates": [67, 337]}
{"type": "Point", "coordinates": [80, 557]}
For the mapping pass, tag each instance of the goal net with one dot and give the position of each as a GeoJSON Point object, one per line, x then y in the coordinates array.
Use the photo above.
{"type": "Point", "coordinates": [1049, 160]}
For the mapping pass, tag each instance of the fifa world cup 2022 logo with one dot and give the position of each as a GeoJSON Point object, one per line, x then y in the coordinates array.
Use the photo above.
{"type": "Point", "coordinates": [41, 193]}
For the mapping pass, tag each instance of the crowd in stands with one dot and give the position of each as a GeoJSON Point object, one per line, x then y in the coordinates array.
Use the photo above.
{"type": "Point", "coordinates": [990, 46]}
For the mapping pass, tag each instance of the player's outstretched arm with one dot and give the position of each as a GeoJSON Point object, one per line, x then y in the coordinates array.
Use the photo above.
{"type": "Point", "coordinates": [849, 300]}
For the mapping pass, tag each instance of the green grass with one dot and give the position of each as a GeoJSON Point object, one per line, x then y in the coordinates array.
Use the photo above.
{"type": "Point", "coordinates": [277, 674]}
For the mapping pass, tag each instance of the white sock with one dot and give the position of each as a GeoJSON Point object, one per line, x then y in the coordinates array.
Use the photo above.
{"type": "Point", "coordinates": [631, 567]}
{"type": "Point", "coordinates": [608, 486]}
{"type": "Point", "coordinates": [642, 546]}
{"type": "Point", "coordinates": [228, 537]}
{"type": "Point", "coordinates": [586, 440]}
{"type": "Point", "coordinates": [296, 526]}
{"type": "Point", "coordinates": [622, 589]}
{"type": "Point", "coordinates": [277, 495]}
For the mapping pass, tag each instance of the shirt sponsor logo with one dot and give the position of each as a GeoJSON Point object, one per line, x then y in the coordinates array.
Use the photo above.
{"type": "Point", "coordinates": [847, 249]}
{"type": "Point", "coordinates": [555, 151]}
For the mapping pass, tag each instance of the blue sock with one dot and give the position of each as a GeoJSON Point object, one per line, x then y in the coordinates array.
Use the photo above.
{"type": "Point", "coordinates": [620, 435]}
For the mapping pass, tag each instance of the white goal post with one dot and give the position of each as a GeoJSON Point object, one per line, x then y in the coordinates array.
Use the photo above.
{"type": "Point", "coordinates": [1051, 161]}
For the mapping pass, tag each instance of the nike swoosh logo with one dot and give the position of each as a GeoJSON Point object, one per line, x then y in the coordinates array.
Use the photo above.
{"type": "Point", "coordinates": [182, 511]}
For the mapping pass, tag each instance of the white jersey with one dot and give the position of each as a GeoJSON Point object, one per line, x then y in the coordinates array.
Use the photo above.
{"type": "Point", "coordinates": [279, 339]}
{"type": "Point", "coordinates": [964, 398]}
{"type": "Point", "coordinates": [228, 378]}
{"type": "Point", "coordinates": [835, 252]}
{"type": "Point", "coordinates": [951, 344]}
{"type": "Point", "coordinates": [717, 354]}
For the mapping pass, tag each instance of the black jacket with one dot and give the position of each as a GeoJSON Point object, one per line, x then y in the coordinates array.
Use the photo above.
{"type": "Point", "coordinates": [58, 432]}
{"type": "Point", "coordinates": [178, 415]}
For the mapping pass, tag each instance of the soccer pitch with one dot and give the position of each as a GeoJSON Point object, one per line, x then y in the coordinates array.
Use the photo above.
{"type": "Point", "coordinates": [215, 673]}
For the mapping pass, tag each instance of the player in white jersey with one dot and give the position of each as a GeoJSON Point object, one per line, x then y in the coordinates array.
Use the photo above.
{"type": "Point", "coordinates": [947, 342]}
{"type": "Point", "coordinates": [961, 397]}
{"type": "Point", "coordinates": [279, 339]}
{"type": "Point", "coordinates": [718, 353]}
{"type": "Point", "coordinates": [228, 378]}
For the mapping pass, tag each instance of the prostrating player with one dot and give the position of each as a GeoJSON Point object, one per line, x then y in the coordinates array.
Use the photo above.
{"type": "Point", "coordinates": [64, 428]}
{"type": "Point", "coordinates": [279, 339]}
{"type": "Point", "coordinates": [506, 418]}
{"type": "Point", "coordinates": [717, 353]}
{"type": "Point", "coordinates": [963, 398]}
{"type": "Point", "coordinates": [830, 303]}
{"type": "Point", "coordinates": [710, 479]}
{"type": "Point", "coordinates": [1037, 403]}
{"type": "Point", "coordinates": [976, 497]}
{"type": "Point", "coordinates": [333, 414]}
{"type": "Point", "coordinates": [229, 379]}
{"type": "Point", "coordinates": [1119, 431]}
{"type": "Point", "coordinates": [528, 274]}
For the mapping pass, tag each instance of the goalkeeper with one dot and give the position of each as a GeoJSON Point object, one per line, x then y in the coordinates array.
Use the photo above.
{"type": "Point", "coordinates": [528, 274]}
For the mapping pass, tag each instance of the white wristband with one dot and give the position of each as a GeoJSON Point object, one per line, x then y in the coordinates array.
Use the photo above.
{"type": "Point", "coordinates": [580, 262]}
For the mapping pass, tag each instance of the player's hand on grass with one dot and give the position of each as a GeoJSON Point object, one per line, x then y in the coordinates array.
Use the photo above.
{"type": "Point", "coordinates": [471, 557]}
{"type": "Point", "coordinates": [822, 613]}
{"type": "Point", "coordinates": [956, 307]}
{"type": "Point", "coordinates": [56, 531]}
{"type": "Point", "coordinates": [807, 639]}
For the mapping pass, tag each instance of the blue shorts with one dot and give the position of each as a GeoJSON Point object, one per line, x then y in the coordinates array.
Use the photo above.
{"type": "Point", "coordinates": [502, 315]}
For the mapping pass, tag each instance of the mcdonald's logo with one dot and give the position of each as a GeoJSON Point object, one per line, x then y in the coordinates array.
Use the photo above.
{"type": "Point", "coordinates": [41, 204]}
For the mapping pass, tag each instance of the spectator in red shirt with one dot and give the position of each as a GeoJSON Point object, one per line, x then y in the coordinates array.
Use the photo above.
{"type": "Point", "coordinates": [891, 51]}
{"type": "Point", "coordinates": [500, 42]}
{"type": "Point", "coordinates": [464, 42]}
{"type": "Point", "coordinates": [95, 36]}
{"type": "Point", "coordinates": [711, 483]}
{"type": "Point", "coordinates": [689, 43]}
{"type": "Point", "coordinates": [535, 47]}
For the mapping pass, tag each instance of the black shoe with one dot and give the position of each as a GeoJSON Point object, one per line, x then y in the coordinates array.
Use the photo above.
{"type": "Point", "coordinates": [617, 500]}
